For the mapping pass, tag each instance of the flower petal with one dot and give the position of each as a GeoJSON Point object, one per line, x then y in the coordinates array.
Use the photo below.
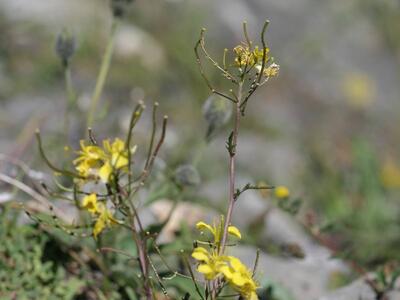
{"type": "Point", "coordinates": [201, 254]}
{"type": "Point", "coordinates": [202, 225]}
{"type": "Point", "coordinates": [234, 231]}
{"type": "Point", "coordinates": [205, 269]}
{"type": "Point", "coordinates": [105, 172]}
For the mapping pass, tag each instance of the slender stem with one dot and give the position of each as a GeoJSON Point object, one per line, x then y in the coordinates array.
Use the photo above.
{"type": "Point", "coordinates": [101, 79]}
{"type": "Point", "coordinates": [71, 99]}
{"type": "Point", "coordinates": [232, 167]}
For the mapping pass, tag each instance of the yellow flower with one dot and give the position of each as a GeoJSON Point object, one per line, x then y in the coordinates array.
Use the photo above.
{"type": "Point", "coordinates": [240, 278]}
{"type": "Point", "coordinates": [245, 57]}
{"type": "Point", "coordinates": [89, 160]}
{"type": "Point", "coordinates": [359, 90]}
{"type": "Point", "coordinates": [97, 162]}
{"type": "Point", "coordinates": [210, 262]}
{"type": "Point", "coordinates": [259, 53]}
{"type": "Point", "coordinates": [390, 174]}
{"type": "Point", "coordinates": [89, 202]}
{"type": "Point", "coordinates": [104, 220]}
{"type": "Point", "coordinates": [271, 71]}
{"type": "Point", "coordinates": [118, 154]}
{"type": "Point", "coordinates": [217, 230]}
{"type": "Point", "coordinates": [282, 192]}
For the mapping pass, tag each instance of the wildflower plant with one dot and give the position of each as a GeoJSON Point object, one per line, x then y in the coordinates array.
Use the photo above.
{"type": "Point", "coordinates": [103, 178]}
{"type": "Point", "coordinates": [247, 67]}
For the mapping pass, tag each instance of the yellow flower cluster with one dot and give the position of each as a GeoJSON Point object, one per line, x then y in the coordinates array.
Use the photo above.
{"type": "Point", "coordinates": [104, 217]}
{"type": "Point", "coordinates": [244, 57]}
{"type": "Point", "coordinates": [96, 162]}
{"type": "Point", "coordinates": [212, 264]}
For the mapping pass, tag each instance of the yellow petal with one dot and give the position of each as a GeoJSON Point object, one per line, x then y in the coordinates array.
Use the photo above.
{"type": "Point", "coordinates": [200, 254]}
{"type": "Point", "coordinates": [226, 271]}
{"type": "Point", "coordinates": [118, 160]}
{"type": "Point", "coordinates": [205, 269]}
{"type": "Point", "coordinates": [253, 296]}
{"type": "Point", "coordinates": [89, 202]}
{"type": "Point", "coordinates": [105, 172]}
{"type": "Point", "coordinates": [234, 231]}
{"type": "Point", "coordinates": [201, 225]}
{"type": "Point", "coordinates": [98, 227]}
{"type": "Point", "coordinates": [238, 279]}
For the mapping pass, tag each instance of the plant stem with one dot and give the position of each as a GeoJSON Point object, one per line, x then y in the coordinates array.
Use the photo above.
{"type": "Point", "coordinates": [101, 79]}
{"type": "Point", "coordinates": [71, 99]}
{"type": "Point", "coordinates": [232, 167]}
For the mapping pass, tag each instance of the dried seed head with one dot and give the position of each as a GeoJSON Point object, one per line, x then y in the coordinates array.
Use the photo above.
{"type": "Point", "coordinates": [65, 47]}
{"type": "Point", "coordinates": [216, 112]}
{"type": "Point", "coordinates": [119, 7]}
{"type": "Point", "coordinates": [187, 175]}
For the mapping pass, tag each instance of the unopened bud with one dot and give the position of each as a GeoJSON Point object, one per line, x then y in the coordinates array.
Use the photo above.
{"type": "Point", "coordinates": [65, 47]}
{"type": "Point", "coordinates": [187, 175]}
{"type": "Point", "coordinates": [119, 7]}
{"type": "Point", "coordinates": [216, 112]}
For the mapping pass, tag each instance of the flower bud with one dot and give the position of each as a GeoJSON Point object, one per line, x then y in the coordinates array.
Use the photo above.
{"type": "Point", "coordinates": [216, 112]}
{"type": "Point", "coordinates": [65, 47]}
{"type": "Point", "coordinates": [187, 175]}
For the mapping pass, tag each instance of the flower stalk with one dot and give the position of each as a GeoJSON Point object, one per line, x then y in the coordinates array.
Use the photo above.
{"type": "Point", "coordinates": [101, 79]}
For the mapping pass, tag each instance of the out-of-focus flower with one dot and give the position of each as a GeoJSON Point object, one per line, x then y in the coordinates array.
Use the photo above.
{"type": "Point", "coordinates": [89, 203]}
{"type": "Point", "coordinates": [390, 174]}
{"type": "Point", "coordinates": [240, 278]}
{"type": "Point", "coordinates": [282, 192]}
{"type": "Point", "coordinates": [102, 215]}
{"type": "Point", "coordinates": [105, 219]}
{"type": "Point", "coordinates": [359, 90]}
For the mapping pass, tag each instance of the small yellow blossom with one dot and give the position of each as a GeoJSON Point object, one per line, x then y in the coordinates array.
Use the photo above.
{"type": "Point", "coordinates": [118, 155]}
{"type": "Point", "coordinates": [210, 262]}
{"type": "Point", "coordinates": [217, 230]}
{"type": "Point", "coordinates": [96, 162]}
{"type": "Point", "coordinates": [240, 278]}
{"type": "Point", "coordinates": [390, 174]}
{"type": "Point", "coordinates": [359, 90]}
{"type": "Point", "coordinates": [89, 202]}
{"type": "Point", "coordinates": [104, 220]}
{"type": "Point", "coordinates": [282, 192]}
{"type": "Point", "coordinates": [245, 57]}
{"type": "Point", "coordinates": [269, 71]}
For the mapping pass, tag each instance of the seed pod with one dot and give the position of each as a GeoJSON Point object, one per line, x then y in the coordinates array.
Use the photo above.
{"type": "Point", "coordinates": [216, 112]}
{"type": "Point", "coordinates": [65, 47]}
{"type": "Point", "coordinates": [119, 7]}
{"type": "Point", "coordinates": [187, 175]}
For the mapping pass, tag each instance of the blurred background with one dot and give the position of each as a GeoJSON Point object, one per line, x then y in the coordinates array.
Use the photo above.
{"type": "Point", "coordinates": [326, 127]}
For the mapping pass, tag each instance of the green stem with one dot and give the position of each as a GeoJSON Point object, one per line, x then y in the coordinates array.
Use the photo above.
{"type": "Point", "coordinates": [101, 79]}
